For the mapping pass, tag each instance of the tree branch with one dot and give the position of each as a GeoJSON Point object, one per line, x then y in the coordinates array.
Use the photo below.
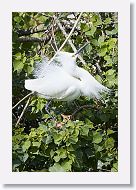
{"type": "Point", "coordinates": [98, 68]}
{"type": "Point", "coordinates": [33, 39]}
{"type": "Point", "coordinates": [79, 109]}
{"type": "Point", "coordinates": [22, 99]}
{"type": "Point", "coordinates": [69, 40]}
{"type": "Point", "coordinates": [23, 111]}
{"type": "Point", "coordinates": [72, 30]}
{"type": "Point", "coordinates": [53, 37]}
{"type": "Point", "coordinates": [30, 31]}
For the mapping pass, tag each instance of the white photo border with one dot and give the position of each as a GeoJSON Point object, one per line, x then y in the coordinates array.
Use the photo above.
{"type": "Point", "coordinates": [123, 174]}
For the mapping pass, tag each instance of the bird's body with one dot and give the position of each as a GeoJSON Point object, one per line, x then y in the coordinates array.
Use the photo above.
{"type": "Point", "coordinates": [61, 87]}
{"type": "Point", "coordinates": [63, 80]}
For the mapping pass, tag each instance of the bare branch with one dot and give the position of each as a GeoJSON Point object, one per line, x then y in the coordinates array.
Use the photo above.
{"type": "Point", "coordinates": [33, 39]}
{"type": "Point", "coordinates": [80, 108]}
{"type": "Point", "coordinates": [30, 31]}
{"type": "Point", "coordinates": [72, 30]}
{"type": "Point", "coordinates": [69, 40]}
{"type": "Point", "coordinates": [23, 111]}
{"type": "Point", "coordinates": [53, 37]}
{"type": "Point", "coordinates": [22, 99]}
{"type": "Point", "coordinates": [98, 68]}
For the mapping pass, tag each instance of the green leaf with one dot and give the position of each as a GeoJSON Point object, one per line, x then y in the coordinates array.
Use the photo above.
{"type": "Point", "coordinates": [73, 139]}
{"type": "Point", "coordinates": [88, 48]}
{"type": "Point", "coordinates": [108, 59]}
{"type": "Point", "coordinates": [91, 32]}
{"type": "Point", "coordinates": [18, 56]}
{"type": "Point", "coordinates": [107, 20]}
{"type": "Point", "coordinates": [61, 153]}
{"type": "Point", "coordinates": [110, 72]}
{"type": "Point", "coordinates": [115, 167]}
{"type": "Point", "coordinates": [97, 137]}
{"type": "Point", "coordinates": [101, 39]}
{"type": "Point", "coordinates": [25, 157]}
{"type": "Point", "coordinates": [38, 144]}
{"type": "Point", "coordinates": [40, 105]}
{"type": "Point", "coordinates": [52, 152]}
{"type": "Point", "coordinates": [17, 19]}
{"type": "Point", "coordinates": [109, 131]}
{"type": "Point", "coordinates": [47, 140]}
{"type": "Point", "coordinates": [18, 65]}
{"type": "Point", "coordinates": [66, 165]}
{"type": "Point", "coordinates": [56, 168]}
{"type": "Point", "coordinates": [102, 52]}
{"type": "Point", "coordinates": [98, 78]}
{"type": "Point", "coordinates": [29, 69]}
{"type": "Point", "coordinates": [85, 130]}
{"type": "Point", "coordinates": [112, 42]}
{"type": "Point", "coordinates": [57, 138]}
{"type": "Point", "coordinates": [109, 143]}
{"type": "Point", "coordinates": [24, 59]}
{"type": "Point", "coordinates": [26, 145]}
{"type": "Point", "coordinates": [98, 148]}
{"type": "Point", "coordinates": [84, 27]}
{"type": "Point", "coordinates": [57, 158]}
{"type": "Point", "coordinates": [95, 42]}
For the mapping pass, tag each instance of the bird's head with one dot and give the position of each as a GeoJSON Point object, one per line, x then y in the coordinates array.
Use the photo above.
{"type": "Point", "coordinates": [68, 60]}
{"type": "Point", "coordinates": [65, 57]}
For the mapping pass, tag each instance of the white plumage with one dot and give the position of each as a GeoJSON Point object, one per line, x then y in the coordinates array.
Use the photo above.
{"type": "Point", "coordinates": [63, 80]}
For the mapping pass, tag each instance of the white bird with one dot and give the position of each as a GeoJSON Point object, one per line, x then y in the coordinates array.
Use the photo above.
{"type": "Point", "coordinates": [63, 80]}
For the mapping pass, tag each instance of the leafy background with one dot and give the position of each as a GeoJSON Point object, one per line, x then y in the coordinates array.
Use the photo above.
{"type": "Point", "coordinates": [88, 141]}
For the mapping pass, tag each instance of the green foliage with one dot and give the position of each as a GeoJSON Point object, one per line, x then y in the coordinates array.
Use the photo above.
{"type": "Point", "coordinates": [89, 140]}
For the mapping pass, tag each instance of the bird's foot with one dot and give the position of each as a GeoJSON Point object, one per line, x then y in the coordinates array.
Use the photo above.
{"type": "Point", "coordinates": [66, 117]}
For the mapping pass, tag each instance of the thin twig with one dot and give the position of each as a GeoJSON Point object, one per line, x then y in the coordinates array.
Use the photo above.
{"type": "Point", "coordinates": [80, 108]}
{"type": "Point", "coordinates": [98, 68]}
{"type": "Point", "coordinates": [72, 30]}
{"type": "Point", "coordinates": [69, 40]}
{"type": "Point", "coordinates": [53, 47]}
{"type": "Point", "coordinates": [22, 100]}
{"type": "Point", "coordinates": [23, 111]}
{"type": "Point", "coordinates": [53, 37]}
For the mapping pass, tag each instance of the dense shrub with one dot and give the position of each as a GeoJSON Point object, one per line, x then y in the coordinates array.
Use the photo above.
{"type": "Point", "coordinates": [88, 141]}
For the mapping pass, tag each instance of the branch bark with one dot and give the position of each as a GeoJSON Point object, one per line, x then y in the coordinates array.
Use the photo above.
{"type": "Point", "coordinates": [23, 111]}
{"type": "Point", "coordinates": [79, 109]}
{"type": "Point", "coordinates": [33, 39]}
{"type": "Point", "coordinates": [22, 99]}
{"type": "Point", "coordinates": [69, 40]}
{"type": "Point", "coordinates": [30, 31]}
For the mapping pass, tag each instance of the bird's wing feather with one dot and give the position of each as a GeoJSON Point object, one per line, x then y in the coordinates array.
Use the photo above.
{"type": "Point", "coordinates": [44, 67]}
{"type": "Point", "coordinates": [54, 85]}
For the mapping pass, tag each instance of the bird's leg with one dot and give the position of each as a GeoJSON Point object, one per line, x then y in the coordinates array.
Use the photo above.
{"type": "Point", "coordinates": [69, 117]}
{"type": "Point", "coordinates": [75, 103]}
{"type": "Point", "coordinates": [47, 109]}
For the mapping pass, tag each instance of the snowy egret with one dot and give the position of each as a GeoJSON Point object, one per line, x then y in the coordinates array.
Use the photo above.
{"type": "Point", "coordinates": [63, 80]}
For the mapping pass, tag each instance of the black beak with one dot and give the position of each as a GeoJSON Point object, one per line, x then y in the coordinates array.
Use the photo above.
{"type": "Point", "coordinates": [78, 51]}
